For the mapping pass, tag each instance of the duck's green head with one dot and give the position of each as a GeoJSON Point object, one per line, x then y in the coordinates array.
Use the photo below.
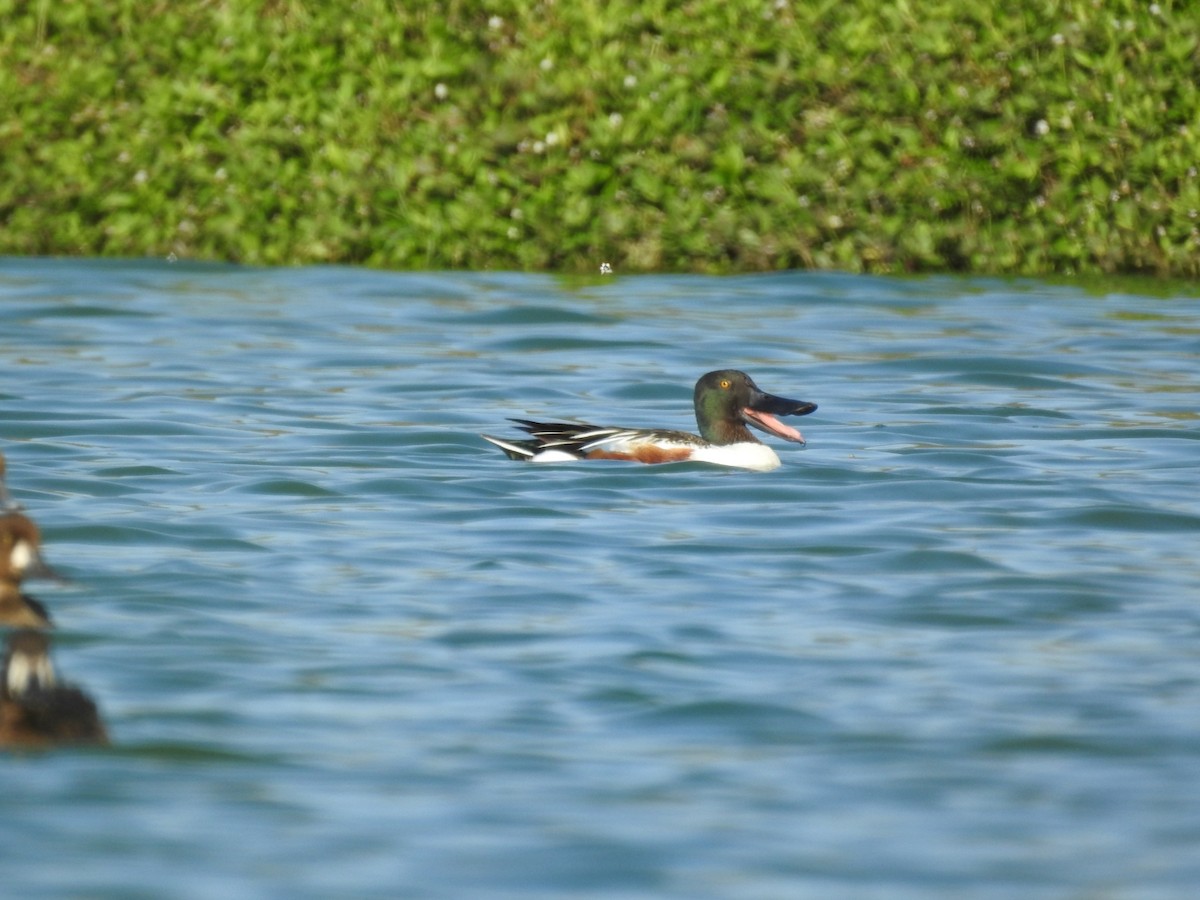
{"type": "Point", "coordinates": [728, 400]}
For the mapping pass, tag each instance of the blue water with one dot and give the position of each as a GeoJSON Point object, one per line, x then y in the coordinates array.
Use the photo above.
{"type": "Point", "coordinates": [346, 648]}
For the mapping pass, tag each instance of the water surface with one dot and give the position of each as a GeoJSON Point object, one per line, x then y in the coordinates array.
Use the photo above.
{"type": "Point", "coordinates": [346, 648]}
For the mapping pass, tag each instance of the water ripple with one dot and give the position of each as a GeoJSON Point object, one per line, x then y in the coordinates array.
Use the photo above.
{"type": "Point", "coordinates": [948, 649]}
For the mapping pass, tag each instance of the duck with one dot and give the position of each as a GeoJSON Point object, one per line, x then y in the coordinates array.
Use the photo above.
{"type": "Point", "coordinates": [35, 708]}
{"type": "Point", "coordinates": [20, 558]}
{"type": "Point", "coordinates": [726, 402]}
{"type": "Point", "coordinates": [7, 503]}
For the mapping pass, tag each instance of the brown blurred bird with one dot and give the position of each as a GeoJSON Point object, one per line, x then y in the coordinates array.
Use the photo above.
{"type": "Point", "coordinates": [35, 709]}
{"type": "Point", "coordinates": [20, 558]}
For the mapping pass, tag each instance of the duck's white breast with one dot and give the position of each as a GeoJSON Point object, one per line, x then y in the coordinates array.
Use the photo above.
{"type": "Point", "coordinates": [758, 457]}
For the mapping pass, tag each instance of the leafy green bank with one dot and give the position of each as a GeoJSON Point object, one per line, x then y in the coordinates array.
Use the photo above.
{"type": "Point", "coordinates": [1035, 137]}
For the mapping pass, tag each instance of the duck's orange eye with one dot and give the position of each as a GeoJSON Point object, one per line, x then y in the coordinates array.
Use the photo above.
{"type": "Point", "coordinates": [725, 383]}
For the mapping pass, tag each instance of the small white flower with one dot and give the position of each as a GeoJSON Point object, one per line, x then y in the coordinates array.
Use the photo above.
{"type": "Point", "coordinates": [546, 64]}
{"type": "Point", "coordinates": [630, 81]}
{"type": "Point", "coordinates": [495, 22]}
{"type": "Point", "coordinates": [605, 269]}
{"type": "Point", "coordinates": [615, 119]}
{"type": "Point", "coordinates": [1042, 127]}
{"type": "Point", "coordinates": [440, 91]}
{"type": "Point", "coordinates": [1057, 39]}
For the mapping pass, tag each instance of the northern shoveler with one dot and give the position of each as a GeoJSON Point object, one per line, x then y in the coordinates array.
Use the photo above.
{"type": "Point", "coordinates": [20, 557]}
{"type": "Point", "coordinates": [726, 402]}
{"type": "Point", "coordinates": [35, 709]}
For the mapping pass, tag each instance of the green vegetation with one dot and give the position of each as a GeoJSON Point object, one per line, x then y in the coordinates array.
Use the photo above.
{"type": "Point", "coordinates": [1034, 137]}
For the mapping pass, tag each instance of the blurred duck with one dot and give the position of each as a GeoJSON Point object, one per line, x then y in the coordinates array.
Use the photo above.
{"type": "Point", "coordinates": [20, 557]}
{"type": "Point", "coordinates": [7, 503]}
{"type": "Point", "coordinates": [35, 709]}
